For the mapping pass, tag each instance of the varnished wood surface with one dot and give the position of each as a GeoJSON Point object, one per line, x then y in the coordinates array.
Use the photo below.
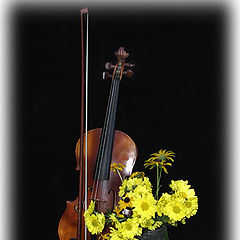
{"type": "Point", "coordinates": [124, 152]}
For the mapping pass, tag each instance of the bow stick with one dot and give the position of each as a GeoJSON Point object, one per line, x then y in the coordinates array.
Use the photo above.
{"type": "Point", "coordinates": [81, 167]}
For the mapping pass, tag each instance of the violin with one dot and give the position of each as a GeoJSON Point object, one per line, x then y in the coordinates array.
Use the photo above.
{"type": "Point", "coordinates": [95, 151]}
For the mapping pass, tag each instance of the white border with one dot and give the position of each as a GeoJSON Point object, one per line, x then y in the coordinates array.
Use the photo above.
{"type": "Point", "coordinates": [233, 160]}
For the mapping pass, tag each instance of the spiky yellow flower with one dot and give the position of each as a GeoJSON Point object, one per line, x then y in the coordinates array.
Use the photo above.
{"type": "Point", "coordinates": [138, 175]}
{"type": "Point", "coordinates": [95, 223]}
{"type": "Point", "coordinates": [130, 228]}
{"type": "Point", "coordinates": [160, 159]}
{"type": "Point", "coordinates": [126, 202]}
{"type": "Point", "coordinates": [144, 205]}
{"type": "Point", "coordinates": [118, 210]}
{"type": "Point", "coordinates": [182, 189]}
{"type": "Point", "coordinates": [117, 166]}
{"type": "Point", "coordinates": [175, 209]}
{"type": "Point", "coordinates": [191, 206]}
{"type": "Point", "coordinates": [105, 236]}
{"type": "Point", "coordinates": [90, 209]}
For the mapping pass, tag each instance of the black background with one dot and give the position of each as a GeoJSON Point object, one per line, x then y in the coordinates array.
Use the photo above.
{"type": "Point", "coordinates": [175, 101]}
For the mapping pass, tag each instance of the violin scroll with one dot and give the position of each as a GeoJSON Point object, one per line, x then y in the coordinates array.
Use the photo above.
{"type": "Point", "coordinates": [121, 55]}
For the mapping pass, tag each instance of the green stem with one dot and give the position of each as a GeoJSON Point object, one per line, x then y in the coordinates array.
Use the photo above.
{"type": "Point", "coordinates": [157, 183]}
{"type": "Point", "coordinates": [165, 233]}
{"type": "Point", "coordinates": [119, 174]}
{"type": "Point", "coordinates": [159, 173]}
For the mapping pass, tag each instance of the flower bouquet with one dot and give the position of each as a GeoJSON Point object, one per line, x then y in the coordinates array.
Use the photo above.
{"type": "Point", "coordinates": [140, 213]}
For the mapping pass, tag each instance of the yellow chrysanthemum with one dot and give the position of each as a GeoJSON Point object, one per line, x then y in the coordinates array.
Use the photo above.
{"type": "Point", "coordinates": [130, 228]}
{"type": "Point", "coordinates": [122, 188]}
{"type": "Point", "coordinates": [129, 185]}
{"type": "Point", "coordinates": [144, 205]}
{"type": "Point", "coordinates": [175, 209]}
{"type": "Point", "coordinates": [157, 224]}
{"type": "Point", "coordinates": [162, 202]}
{"type": "Point", "coordinates": [139, 190]}
{"type": "Point", "coordinates": [115, 234]}
{"type": "Point", "coordinates": [113, 219]}
{"type": "Point", "coordinates": [90, 209]}
{"type": "Point", "coordinates": [160, 159]}
{"type": "Point", "coordinates": [191, 206]}
{"type": "Point", "coordinates": [151, 224]}
{"type": "Point", "coordinates": [147, 223]}
{"type": "Point", "coordinates": [95, 223]}
{"type": "Point", "coordinates": [183, 221]}
{"type": "Point", "coordinates": [182, 189]}
{"type": "Point", "coordinates": [146, 182]}
{"type": "Point", "coordinates": [117, 166]}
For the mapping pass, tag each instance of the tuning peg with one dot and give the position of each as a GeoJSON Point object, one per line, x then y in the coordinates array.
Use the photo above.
{"type": "Point", "coordinates": [106, 75]}
{"type": "Point", "coordinates": [128, 73]}
{"type": "Point", "coordinates": [129, 65]}
{"type": "Point", "coordinates": [109, 66]}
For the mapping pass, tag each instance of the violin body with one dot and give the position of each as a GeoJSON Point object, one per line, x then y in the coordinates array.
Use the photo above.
{"type": "Point", "coordinates": [125, 152]}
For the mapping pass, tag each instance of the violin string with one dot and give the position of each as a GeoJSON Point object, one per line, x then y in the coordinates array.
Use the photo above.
{"type": "Point", "coordinates": [86, 128]}
{"type": "Point", "coordinates": [96, 179]}
{"type": "Point", "coordinates": [101, 159]}
{"type": "Point", "coordinates": [107, 123]}
{"type": "Point", "coordinates": [103, 137]}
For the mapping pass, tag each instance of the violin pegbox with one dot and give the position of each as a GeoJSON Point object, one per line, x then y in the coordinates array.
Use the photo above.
{"type": "Point", "coordinates": [118, 69]}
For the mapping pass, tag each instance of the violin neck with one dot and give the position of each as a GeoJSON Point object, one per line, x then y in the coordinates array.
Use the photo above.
{"type": "Point", "coordinates": [104, 156]}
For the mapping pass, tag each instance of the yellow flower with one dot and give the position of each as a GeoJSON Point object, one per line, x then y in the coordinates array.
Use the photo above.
{"type": "Point", "coordinates": [181, 189]}
{"type": "Point", "coordinates": [146, 182]}
{"type": "Point", "coordinates": [115, 234]}
{"type": "Point", "coordinates": [157, 224]}
{"type": "Point", "coordinates": [138, 175]}
{"type": "Point", "coordinates": [191, 206]}
{"type": "Point", "coordinates": [151, 224]}
{"type": "Point", "coordinates": [183, 221]}
{"type": "Point", "coordinates": [117, 166]}
{"type": "Point", "coordinates": [139, 190]}
{"type": "Point", "coordinates": [144, 205]}
{"type": "Point", "coordinates": [90, 209]}
{"type": "Point", "coordinates": [163, 200]}
{"type": "Point", "coordinates": [130, 228]}
{"type": "Point", "coordinates": [126, 202]}
{"type": "Point", "coordinates": [118, 210]}
{"type": "Point", "coordinates": [95, 223]}
{"type": "Point", "coordinates": [129, 185]}
{"type": "Point", "coordinates": [147, 223]}
{"type": "Point", "coordinates": [104, 236]}
{"type": "Point", "coordinates": [160, 159]}
{"type": "Point", "coordinates": [175, 209]}
{"type": "Point", "coordinates": [113, 218]}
